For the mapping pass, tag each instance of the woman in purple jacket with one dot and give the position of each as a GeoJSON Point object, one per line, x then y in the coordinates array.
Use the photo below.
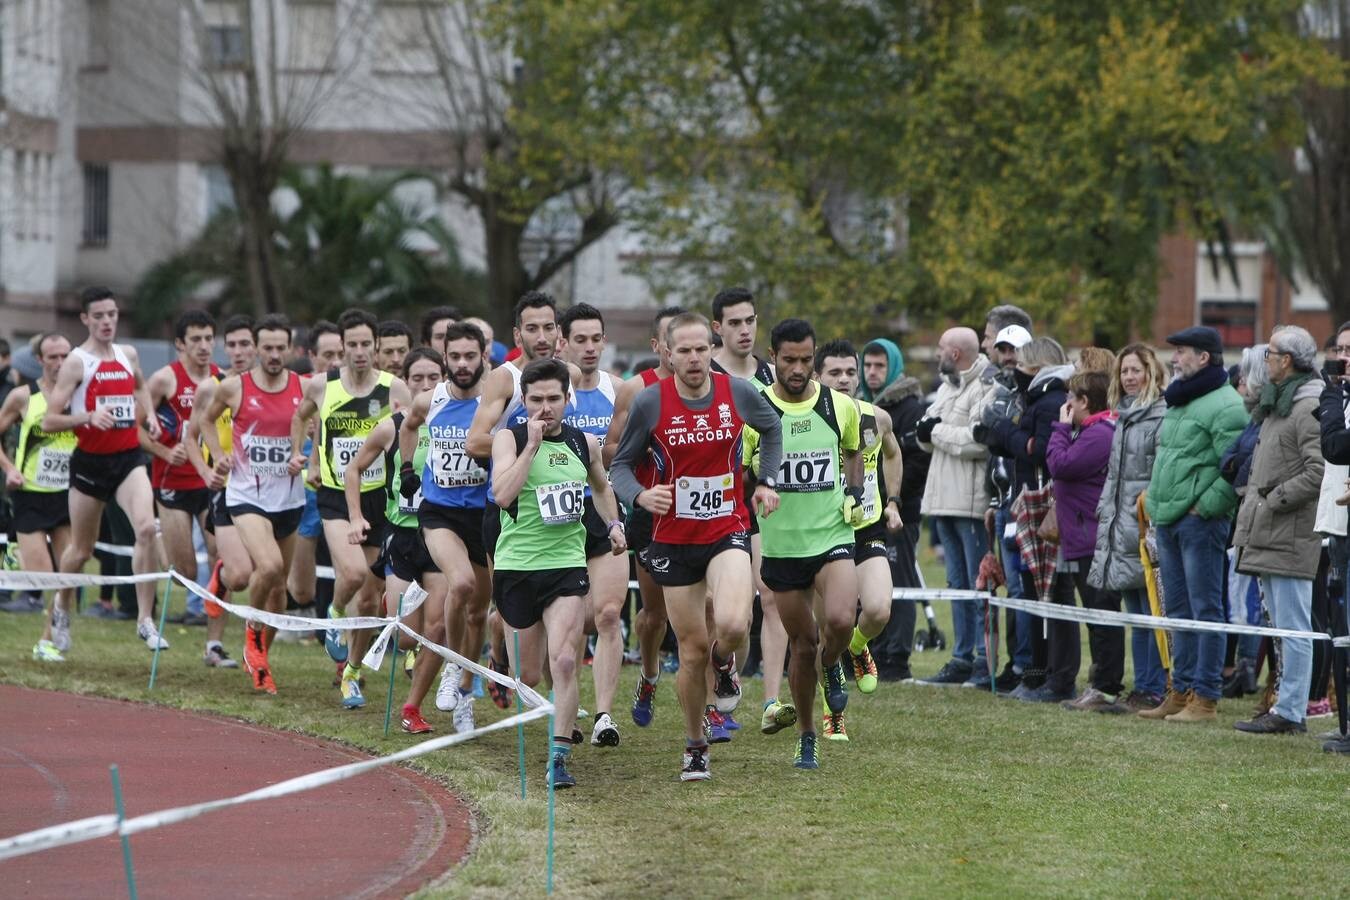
{"type": "Point", "coordinates": [1077, 456]}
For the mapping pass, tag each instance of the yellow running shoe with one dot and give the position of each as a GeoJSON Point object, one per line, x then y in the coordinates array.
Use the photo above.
{"type": "Point", "coordinates": [833, 727]}
{"type": "Point", "coordinates": [777, 716]}
{"type": "Point", "coordinates": [864, 670]}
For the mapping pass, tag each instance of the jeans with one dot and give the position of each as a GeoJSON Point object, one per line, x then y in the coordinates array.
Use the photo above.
{"type": "Point", "coordinates": [1191, 555]}
{"type": "Point", "coordinates": [1148, 670]}
{"type": "Point", "coordinates": [893, 646]}
{"type": "Point", "coordinates": [964, 543]}
{"type": "Point", "coordinates": [1290, 603]}
{"type": "Point", "coordinates": [1012, 566]}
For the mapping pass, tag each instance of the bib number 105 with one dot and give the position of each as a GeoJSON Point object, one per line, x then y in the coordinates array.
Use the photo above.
{"type": "Point", "coordinates": [561, 504]}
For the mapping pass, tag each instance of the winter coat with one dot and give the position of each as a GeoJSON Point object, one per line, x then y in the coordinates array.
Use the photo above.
{"type": "Point", "coordinates": [903, 400]}
{"type": "Point", "coordinates": [1236, 463]}
{"type": "Point", "coordinates": [1078, 463]}
{"type": "Point", "coordinates": [1275, 524]}
{"type": "Point", "coordinates": [1335, 425]}
{"type": "Point", "coordinates": [955, 485]}
{"type": "Point", "coordinates": [1025, 439]}
{"type": "Point", "coordinates": [1115, 561]}
{"type": "Point", "coordinates": [1190, 445]}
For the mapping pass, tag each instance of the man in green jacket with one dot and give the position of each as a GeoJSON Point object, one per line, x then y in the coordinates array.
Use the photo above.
{"type": "Point", "coordinates": [1192, 507]}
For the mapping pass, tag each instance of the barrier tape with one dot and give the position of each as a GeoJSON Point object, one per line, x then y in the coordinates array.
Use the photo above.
{"type": "Point", "coordinates": [101, 826]}
{"type": "Point", "coordinates": [19, 580]}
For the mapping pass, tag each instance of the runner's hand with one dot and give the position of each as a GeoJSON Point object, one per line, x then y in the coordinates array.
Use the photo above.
{"type": "Point", "coordinates": [13, 479]}
{"type": "Point", "coordinates": [534, 431]}
{"type": "Point", "coordinates": [102, 420]}
{"type": "Point", "coordinates": [765, 500]}
{"type": "Point", "coordinates": [219, 472]}
{"type": "Point", "coordinates": [177, 455]}
{"type": "Point", "coordinates": [853, 506]}
{"type": "Point", "coordinates": [152, 427]}
{"type": "Point", "coordinates": [893, 520]}
{"type": "Point", "coordinates": [313, 477]}
{"type": "Point", "coordinates": [409, 482]}
{"type": "Point", "coordinates": [656, 500]}
{"type": "Point", "coordinates": [296, 465]}
{"type": "Point", "coordinates": [357, 530]}
{"type": "Point", "coordinates": [618, 541]}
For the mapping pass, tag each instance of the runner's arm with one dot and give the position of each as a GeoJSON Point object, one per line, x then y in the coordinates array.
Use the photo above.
{"type": "Point", "coordinates": [509, 468]}
{"type": "Point", "coordinates": [399, 395]}
{"type": "Point", "coordinates": [756, 411]}
{"type": "Point", "coordinates": [158, 387]}
{"type": "Point", "coordinates": [11, 412]}
{"type": "Point", "coordinates": [218, 397]}
{"type": "Point", "coordinates": [377, 442]}
{"type": "Point", "coordinates": [623, 402]}
{"type": "Point", "coordinates": [639, 419]}
{"type": "Point", "coordinates": [603, 497]}
{"type": "Point", "coordinates": [413, 420]}
{"type": "Point", "coordinates": [892, 461]}
{"type": "Point", "coordinates": [309, 406]}
{"type": "Point", "coordinates": [67, 380]}
{"type": "Point", "coordinates": [145, 409]}
{"type": "Point", "coordinates": [479, 444]}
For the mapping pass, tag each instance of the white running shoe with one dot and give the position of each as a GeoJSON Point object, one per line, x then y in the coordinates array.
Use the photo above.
{"type": "Point", "coordinates": [447, 695]}
{"type": "Point", "coordinates": [60, 629]}
{"type": "Point", "coordinates": [605, 733]}
{"type": "Point", "coordinates": [464, 714]}
{"type": "Point", "coordinates": [147, 632]}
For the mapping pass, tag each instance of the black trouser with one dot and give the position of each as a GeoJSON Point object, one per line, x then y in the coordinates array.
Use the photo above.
{"type": "Point", "coordinates": [892, 648]}
{"type": "Point", "coordinates": [115, 529]}
{"type": "Point", "coordinates": [1107, 642]}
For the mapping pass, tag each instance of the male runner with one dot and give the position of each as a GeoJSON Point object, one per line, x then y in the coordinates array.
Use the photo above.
{"type": "Point", "coordinates": [100, 393]}
{"type": "Point", "coordinates": [650, 622]}
{"type": "Point", "coordinates": [692, 427]}
{"type": "Point", "coordinates": [349, 403]}
{"type": "Point", "coordinates": [232, 565]}
{"type": "Point", "coordinates": [735, 320]}
{"type": "Point", "coordinates": [808, 546]}
{"type": "Point", "coordinates": [583, 333]}
{"type": "Point", "coordinates": [431, 329]}
{"type": "Point", "coordinates": [837, 368]}
{"type": "Point", "coordinates": [454, 493]}
{"type": "Point", "coordinates": [404, 555]}
{"type": "Point", "coordinates": [265, 491]}
{"type": "Point", "coordinates": [394, 342]}
{"type": "Point", "coordinates": [39, 475]}
{"type": "Point", "coordinates": [181, 497]}
{"type": "Point", "coordinates": [539, 472]}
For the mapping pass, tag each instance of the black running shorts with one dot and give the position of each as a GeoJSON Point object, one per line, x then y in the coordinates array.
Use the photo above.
{"type": "Point", "coordinates": [522, 597]}
{"type": "Point", "coordinates": [333, 508]}
{"type": "Point", "coordinates": [99, 475]}
{"type": "Point", "coordinates": [465, 521]}
{"type": "Point", "coordinates": [798, 574]}
{"type": "Point", "coordinates": [870, 542]}
{"type": "Point", "coordinates": [37, 512]}
{"type": "Point", "coordinates": [678, 565]}
{"type": "Point", "coordinates": [193, 501]}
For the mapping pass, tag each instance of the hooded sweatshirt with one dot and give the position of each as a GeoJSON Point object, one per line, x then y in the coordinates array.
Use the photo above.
{"type": "Point", "coordinates": [895, 367]}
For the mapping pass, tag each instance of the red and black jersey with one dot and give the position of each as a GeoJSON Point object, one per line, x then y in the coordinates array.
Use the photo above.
{"type": "Point", "coordinates": [173, 413]}
{"type": "Point", "coordinates": [107, 384]}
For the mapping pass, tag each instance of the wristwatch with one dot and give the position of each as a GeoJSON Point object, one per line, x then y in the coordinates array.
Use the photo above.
{"type": "Point", "coordinates": [769, 482]}
{"type": "Point", "coordinates": [895, 500]}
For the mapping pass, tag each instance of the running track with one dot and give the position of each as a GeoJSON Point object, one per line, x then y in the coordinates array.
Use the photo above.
{"type": "Point", "coordinates": [383, 834]}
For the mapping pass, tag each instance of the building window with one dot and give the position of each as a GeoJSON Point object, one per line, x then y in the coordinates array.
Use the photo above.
{"type": "Point", "coordinates": [311, 35]}
{"type": "Point", "coordinates": [97, 27]}
{"type": "Point", "coordinates": [405, 42]}
{"type": "Point", "coordinates": [96, 185]}
{"type": "Point", "coordinates": [223, 35]}
{"type": "Point", "coordinates": [217, 192]}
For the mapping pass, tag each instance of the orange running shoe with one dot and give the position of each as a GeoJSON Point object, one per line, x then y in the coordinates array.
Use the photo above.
{"type": "Point", "coordinates": [413, 723]}
{"type": "Point", "coordinates": [213, 585]}
{"type": "Point", "coordinates": [255, 660]}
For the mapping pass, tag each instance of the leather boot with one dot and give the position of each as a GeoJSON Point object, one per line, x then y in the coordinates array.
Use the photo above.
{"type": "Point", "coordinates": [1200, 709]}
{"type": "Point", "coordinates": [1174, 702]}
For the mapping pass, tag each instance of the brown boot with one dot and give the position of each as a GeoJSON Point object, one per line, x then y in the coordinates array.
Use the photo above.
{"type": "Point", "coordinates": [1174, 702]}
{"type": "Point", "coordinates": [1200, 709]}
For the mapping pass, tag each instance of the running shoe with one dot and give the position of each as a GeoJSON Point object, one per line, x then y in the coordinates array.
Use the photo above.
{"type": "Point", "coordinates": [147, 632]}
{"type": "Point", "coordinates": [864, 670]}
{"type": "Point", "coordinates": [695, 766]}
{"type": "Point", "coordinates": [410, 660]}
{"type": "Point", "coordinates": [413, 723]}
{"type": "Point", "coordinates": [643, 702]}
{"type": "Point", "coordinates": [215, 657]}
{"type": "Point", "coordinates": [447, 693]}
{"type": "Point", "coordinates": [45, 651]}
{"type": "Point", "coordinates": [558, 771]}
{"type": "Point", "coordinates": [255, 651]}
{"type": "Point", "coordinates": [727, 685]}
{"type": "Point", "coordinates": [836, 691]}
{"type": "Point", "coordinates": [61, 629]}
{"type": "Point", "coordinates": [501, 694]}
{"type": "Point", "coordinates": [805, 756]}
{"type": "Point", "coordinates": [463, 717]}
{"type": "Point", "coordinates": [732, 724]}
{"type": "Point", "coordinates": [777, 716]}
{"type": "Point", "coordinates": [352, 698]}
{"type": "Point", "coordinates": [335, 641]}
{"type": "Point", "coordinates": [216, 587]}
{"type": "Point", "coordinates": [605, 733]}
{"type": "Point", "coordinates": [833, 727]}
{"type": "Point", "coordinates": [715, 726]}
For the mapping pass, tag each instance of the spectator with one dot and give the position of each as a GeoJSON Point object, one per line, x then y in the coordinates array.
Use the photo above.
{"type": "Point", "coordinates": [1042, 373]}
{"type": "Point", "coordinates": [1095, 359]}
{"type": "Point", "coordinates": [1275, 538]}
{"type": "Point", "coordinates": [1078, 456]}
{"type": "Point", "coordinates": [1334, 420]}
{"type": "Point", "coordinates": [1137, 383]}
{"type": "Point", "coordinates": [901, 396]}
{"type": "Point", "coordinates": [954, 495]}
{"type": "Point", "coordinates": [1191, 507]}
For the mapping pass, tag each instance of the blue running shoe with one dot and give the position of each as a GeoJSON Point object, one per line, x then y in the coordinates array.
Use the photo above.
{"type": "Point", "coordinates": [643, 698]}
{"type": "Point", "coordinates": [558, 772]}
{"type": "Point", "coordinates": [335, 641]}
{"type": "Point", "coordinates": [352, 698]}
{"type": "Point", "coordinates": [716, 726]}
{"type": "Point", "coordinates": [805, 757]}
{"type": "Point", "coordinates": [836, 690]}
{"type": "Point", "coordinates": [732, 724]}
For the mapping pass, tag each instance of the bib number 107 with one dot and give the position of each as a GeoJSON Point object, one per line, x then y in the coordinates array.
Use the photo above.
{"type": "Point", "coordinates": [811, 471]}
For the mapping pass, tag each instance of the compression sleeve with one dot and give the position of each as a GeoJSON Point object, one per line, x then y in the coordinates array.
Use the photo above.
{"type": "Point", "coordinates": [633, 443]}
{"type": "Point", "coordinates": [753, 407]}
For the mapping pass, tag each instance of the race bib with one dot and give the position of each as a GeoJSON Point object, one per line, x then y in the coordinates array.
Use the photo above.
{"type": "Point", "coordinates": [705, 497]}
{"type": "Point", "coordinates": [53, 469]}
{"type": "Point", "coordinates": [269, 456]}
{"type": "Point", "coordinates": [561, 503]}
{"type": "Point", "coordinates": [871, 496]}
{"type": "Point", "coordinates": [452, 466]}
{"type": "Point", "coordinates": [410, 507]}
{"type": "Point", "coordinates": [345, 450]}
{"type": "Point", "coordinates": [807, 471]}
{"type": "Point", "coordinates": [122, 407]}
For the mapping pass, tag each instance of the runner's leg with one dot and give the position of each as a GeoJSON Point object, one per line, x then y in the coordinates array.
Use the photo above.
{"type": "Point", "coordinates": [86, 513]}
{"type": "Point", "coordinates": [137, 501]}
{"type": "Point", "coordinates": [562, 623]}
{"type": "Point", "coordinates": [773, 639]}
{"type": "Point", "coordinates": [609, 589]}
{"type": "Point", "coordinates": [874, 590]}
{"type": "Point", "coordinates": [686, 606]}
{"type": "Point", "coordinates": [433, 628]}
{"type": "Point", "coordinates": [795, 609]}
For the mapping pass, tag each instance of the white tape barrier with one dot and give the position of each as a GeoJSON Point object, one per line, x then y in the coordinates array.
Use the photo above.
{"type": "Point", "coordinates": [101, 826]}
{"type": "Point", "coordinates": [50, 581]}
{"type": "Point", "coordinates": [1106, 617]}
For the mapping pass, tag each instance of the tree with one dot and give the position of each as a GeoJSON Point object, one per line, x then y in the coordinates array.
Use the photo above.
{"type": "Point", "coordinates": [346, 241]}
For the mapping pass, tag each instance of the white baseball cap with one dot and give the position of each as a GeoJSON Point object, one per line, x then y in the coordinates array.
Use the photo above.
{"type": "Point", "coordinates": [1015, 335]}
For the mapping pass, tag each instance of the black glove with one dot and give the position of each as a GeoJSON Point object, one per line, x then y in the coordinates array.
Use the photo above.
{"type": "Point", "coordinates": [981, 433]}
{"type": "Point", "coordinates": [923, 429]}
{"type": "Point", "coordinates": [409, 482]}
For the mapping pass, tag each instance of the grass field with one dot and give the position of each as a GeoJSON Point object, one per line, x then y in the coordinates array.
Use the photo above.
{"type": "Point", "coordinates": [942, 792]}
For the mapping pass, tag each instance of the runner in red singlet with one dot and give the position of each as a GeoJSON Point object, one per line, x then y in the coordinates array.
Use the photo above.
{"type": "Point", "coordinates": [690, 426]}
{"type": "Point", "coordinates": [101, 386]}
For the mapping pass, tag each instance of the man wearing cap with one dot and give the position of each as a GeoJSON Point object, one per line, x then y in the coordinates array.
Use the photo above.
{"type": "Point", "coordinates": [1192, 506]}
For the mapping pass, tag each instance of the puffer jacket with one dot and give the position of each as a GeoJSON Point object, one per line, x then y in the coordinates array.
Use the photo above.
{"type": "Point", "coordinates": [1025, 439]}
{"type": "Point", "coordinates": [1115, 560]}
{"type": "Point", "coordinates": [1190, 444]}
{"type": "Point", "coordinates": [1274, 533]}
{"type": "Point", "coordinates": [955, 485]}
{"type": "Point", "coordinates": [1078, 460]}
{"type": "Point", "coordinates": [903, 400]}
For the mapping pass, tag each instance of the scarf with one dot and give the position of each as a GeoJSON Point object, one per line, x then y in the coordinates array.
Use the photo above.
{"type": "Point", "coordinates": [1279, 398]}
{"type": "Point", "coordinates": [1184, 390]}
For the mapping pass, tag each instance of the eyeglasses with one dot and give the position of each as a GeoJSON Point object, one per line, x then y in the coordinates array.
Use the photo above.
{"type": "Point", "coordinates": [1341, 350]}
{"type": "Point", "coordinates": [1269, 353]}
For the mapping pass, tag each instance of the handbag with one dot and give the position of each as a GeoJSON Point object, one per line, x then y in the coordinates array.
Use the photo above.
{"type": "Point", "coordinates": [1049, 527]}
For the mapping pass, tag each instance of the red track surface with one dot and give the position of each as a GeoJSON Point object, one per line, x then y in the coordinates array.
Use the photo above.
{"type": "Point", "coordinates": [384, 833]}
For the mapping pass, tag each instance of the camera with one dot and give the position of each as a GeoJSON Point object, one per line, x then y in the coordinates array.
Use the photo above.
{"type": "Point", "coordinates": [1334, 368]}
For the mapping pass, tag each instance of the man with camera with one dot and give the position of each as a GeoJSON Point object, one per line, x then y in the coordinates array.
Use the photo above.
{"type": "Point", "coordinates": [1334, 421]}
